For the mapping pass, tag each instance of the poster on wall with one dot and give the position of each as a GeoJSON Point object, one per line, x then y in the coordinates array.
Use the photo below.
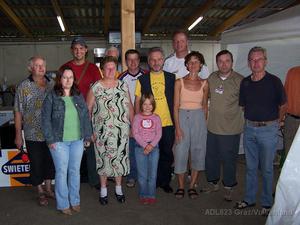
{"type": "Point", "coordinates": [14, 167]}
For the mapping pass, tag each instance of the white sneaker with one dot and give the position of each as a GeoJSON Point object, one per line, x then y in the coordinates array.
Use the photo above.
{"type": "Point", "coordinates": [211, 188]}
{"type": "Point", "coordinates": [228, 194]}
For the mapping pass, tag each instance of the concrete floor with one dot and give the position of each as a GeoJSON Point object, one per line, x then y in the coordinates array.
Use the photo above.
{"type": "Point", "coordinates": [18, 206]}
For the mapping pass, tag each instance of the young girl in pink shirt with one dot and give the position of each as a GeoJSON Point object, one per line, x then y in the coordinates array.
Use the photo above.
{"type": "Point", "coordinates": [147, 133]}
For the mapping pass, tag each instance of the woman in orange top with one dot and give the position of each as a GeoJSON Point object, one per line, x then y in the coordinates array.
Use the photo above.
{"type": "Point", "coordinates": [190, 113]}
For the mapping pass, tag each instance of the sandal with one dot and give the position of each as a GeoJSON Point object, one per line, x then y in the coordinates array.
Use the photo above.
{"type": "Point", "coordinates": [179, 194]}
{"type": "Point", "coordinates": [76, 208]}
{"type": "Point", "coordinates": [42, 199]}
{"type": "Point", "coordinates": [66, 211]}
{"type": "Point", "coordinates": [193, 193]}
{"type": "Point", "coordinates": [243, 205]}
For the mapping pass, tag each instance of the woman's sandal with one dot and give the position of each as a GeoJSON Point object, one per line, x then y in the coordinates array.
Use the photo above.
{"type": "Point", "coordinates": [42, 199]}
{"type": "Point", "coordinates": [179, 194]}
{"type": "Point", "coordinates": [243, 205]}
{"type": "Point", "coordinates": [193, 193]}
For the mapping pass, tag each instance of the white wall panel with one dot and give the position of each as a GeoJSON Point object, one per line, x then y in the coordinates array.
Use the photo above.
{"type": "Point", "coordinates": [14, 56]}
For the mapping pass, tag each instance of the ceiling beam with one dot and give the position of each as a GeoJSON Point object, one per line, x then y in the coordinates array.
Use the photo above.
{"type": "Point", "coordinates": [238, 16]}
{"type": "Point", "coordinates": [153, 15]}
{"type": "Point", "coordinates": [86, 6]}
{"type": "Point", "coordinates": [14, 18]}
{"type": "Point", "coordinates": [77, 6]}
{"type": "Point", "coordinates": [66, 18]}
{"type": "Point", "coordinates": [58, 12]}
{"type": "Point", "coordinates": [199, 12]}
{"type": "Point", "coordinates": [107, 11]}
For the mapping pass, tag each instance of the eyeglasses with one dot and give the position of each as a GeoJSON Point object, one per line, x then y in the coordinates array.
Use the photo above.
{"type": "Point", "coordinates": [36, 66]}
{"type": "Point", "coordinates": [256, 60]}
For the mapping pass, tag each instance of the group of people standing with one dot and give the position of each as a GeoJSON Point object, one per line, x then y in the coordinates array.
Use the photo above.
{"type": "Point", "coordinates": [140, 124]}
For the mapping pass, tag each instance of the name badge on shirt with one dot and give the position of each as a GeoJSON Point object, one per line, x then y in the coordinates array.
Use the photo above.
{"type": "Point", "coordinates": [219, 90]}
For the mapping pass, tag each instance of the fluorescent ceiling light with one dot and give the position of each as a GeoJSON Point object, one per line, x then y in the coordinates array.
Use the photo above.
{"type": "Point", "coordinates": [61, 24]}
{"type": "Point", "coordinates": [195, 23]}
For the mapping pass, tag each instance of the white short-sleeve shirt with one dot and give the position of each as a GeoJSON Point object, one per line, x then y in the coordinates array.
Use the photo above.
{"type": "Point", "coordinates": [176, 65]}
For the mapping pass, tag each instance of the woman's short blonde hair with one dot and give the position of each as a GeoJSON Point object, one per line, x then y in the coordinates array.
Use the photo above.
{"type": "Point", "coordinates": [108, 59]}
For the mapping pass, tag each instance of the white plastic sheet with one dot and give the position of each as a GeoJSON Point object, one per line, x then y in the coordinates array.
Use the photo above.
{"type": "Point", "coordinates": [286, 209]}
{"type": "Point", "coordinates": [282, 25]}
{"type": "Point", "coordinates": [278, 33]}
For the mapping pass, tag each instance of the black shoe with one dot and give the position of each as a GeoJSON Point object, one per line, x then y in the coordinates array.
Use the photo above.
{"type": "Point", "coordinates": [103, 200]}
{"type": "Point", "coordinates": [97, 186]}
{"type": "Point", "coordinates": [111, 179]}
{"type": "Point", "coordinates": [167, 189]}
{"type": "Point", "coordinates": [120, 198]}
{"type": "Point", "coordinates": [265, 210]}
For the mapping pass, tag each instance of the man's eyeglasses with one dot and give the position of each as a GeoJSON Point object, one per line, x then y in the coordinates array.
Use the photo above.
{"type": "Point", "coordinates": [256, 60]}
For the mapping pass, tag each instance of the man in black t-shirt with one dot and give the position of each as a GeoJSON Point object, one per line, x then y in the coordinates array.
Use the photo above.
{"type": "Point", "coordinates": [262, 97]}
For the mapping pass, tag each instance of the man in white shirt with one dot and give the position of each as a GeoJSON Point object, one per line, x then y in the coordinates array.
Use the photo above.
{"type": "Point", "coordinates": [174, 63]}
{"type": "Point", "coordinates": [133, 72]}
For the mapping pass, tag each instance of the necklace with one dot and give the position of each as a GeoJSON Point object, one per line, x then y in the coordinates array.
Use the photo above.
{"type": "Point", "coordinates": [192, 77]}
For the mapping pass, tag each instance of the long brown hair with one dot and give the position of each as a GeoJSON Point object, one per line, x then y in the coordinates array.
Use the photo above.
{"type": "Point", "coordinates": [58, 87]}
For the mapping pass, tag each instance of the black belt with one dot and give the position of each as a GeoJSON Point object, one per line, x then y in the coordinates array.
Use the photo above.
{"type": "Point", "coordinates": [294, 116]}
{"type": "Point", "coordinates": [259, 123]}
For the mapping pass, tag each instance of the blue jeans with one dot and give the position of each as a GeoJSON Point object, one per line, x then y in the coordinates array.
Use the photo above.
{"type": "Point", "coordinates": [67, 158]}
{"type": "Point", "coordinates": [132, 160]}
{"type": "Point", "coordinates": [260, 147]}
{"type": "Point", "coordinates": [147, 171]}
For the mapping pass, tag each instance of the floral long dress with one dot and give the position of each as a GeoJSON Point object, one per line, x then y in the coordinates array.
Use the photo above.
{"type": "Point", "coordinates": [110, 119]}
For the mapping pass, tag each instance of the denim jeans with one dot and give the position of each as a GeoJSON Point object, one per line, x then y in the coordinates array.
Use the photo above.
{"type": "Point", "coordinates": [133, 170]}
{"type": "Point", "coordinates": [260, 147]}
{"type": "Point", "coordinates": [147, 171]}
{"type": "Point", "coordinates": [67, 158]}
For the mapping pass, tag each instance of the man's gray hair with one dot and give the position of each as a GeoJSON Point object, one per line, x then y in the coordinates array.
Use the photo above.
{"type": "Point", "coordinates": [32, 60]}
{"type": "Point", "coordinates": [112, 48]}
{"type": "Point", "coordinates": [156, 49]}
{"type": "Point", "coordinates": [257, 49]}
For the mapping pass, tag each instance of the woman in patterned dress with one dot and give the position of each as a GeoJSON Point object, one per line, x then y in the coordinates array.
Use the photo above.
{"type": "Point", "coordinates": [111, 109]}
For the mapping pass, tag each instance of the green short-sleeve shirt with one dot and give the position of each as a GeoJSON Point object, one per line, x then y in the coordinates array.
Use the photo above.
{"type": "Point", "coordinates": [225, 116]}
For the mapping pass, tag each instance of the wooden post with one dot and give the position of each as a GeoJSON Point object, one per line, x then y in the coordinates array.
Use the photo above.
{"type": "Point", "coordinates": [127, 28]}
